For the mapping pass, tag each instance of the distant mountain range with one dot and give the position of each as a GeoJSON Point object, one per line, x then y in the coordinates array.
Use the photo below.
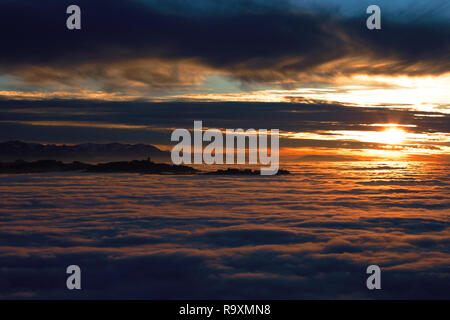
{"type": "Point", "coordinates": [86, 152]}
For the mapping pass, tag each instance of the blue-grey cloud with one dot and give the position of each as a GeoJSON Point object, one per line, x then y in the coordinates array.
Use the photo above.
{"type": "Point", "coordinates": [50, 121]}
{"type": "Point", "coordinates": [252, 41]}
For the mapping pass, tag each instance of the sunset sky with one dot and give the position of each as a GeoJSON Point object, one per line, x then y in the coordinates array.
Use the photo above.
{"type": "Point", "coordinates": [139, 69]}
{"type": "Point", "coordinates": [364, 123]}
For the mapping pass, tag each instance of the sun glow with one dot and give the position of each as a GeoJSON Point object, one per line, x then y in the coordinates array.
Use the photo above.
{"type": "Point", "coordinates": [390, 135]}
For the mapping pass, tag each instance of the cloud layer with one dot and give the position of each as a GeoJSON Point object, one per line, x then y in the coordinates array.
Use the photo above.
{"type": "Point", "coordinates": [310, 235]}
{"type": "Point", "coordinates": [136, 46]}
{"type": "Point", "coordinates": [320, 126]}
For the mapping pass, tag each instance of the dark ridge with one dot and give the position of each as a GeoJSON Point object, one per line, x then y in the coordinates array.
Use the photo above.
{"type": "Point", "coordinates": [144, 166]}
{"type": "Point", "coordinates": [242, 172]}
{"type": "Point", "coordinates": [86, 152]}
{"type": "Point", "coordinates": [135, 166]}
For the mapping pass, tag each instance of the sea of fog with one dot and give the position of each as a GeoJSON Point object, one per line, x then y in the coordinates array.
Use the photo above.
{"type": "Point", "coordinates": [310, 234]}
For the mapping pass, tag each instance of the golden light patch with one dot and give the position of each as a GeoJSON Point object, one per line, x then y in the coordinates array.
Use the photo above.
{"type": "Point", "coordinates": [391, 135]}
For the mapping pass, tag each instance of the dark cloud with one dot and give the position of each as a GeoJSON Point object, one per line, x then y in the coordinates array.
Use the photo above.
{"type": "Point", "coordinates": [233, 238]}
{"type": "Point", "coordinates": [31, 120]}
{"type": "Point", "coordinates": [125, 43]}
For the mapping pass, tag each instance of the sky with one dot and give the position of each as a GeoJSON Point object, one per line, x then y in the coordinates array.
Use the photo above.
{"type": "Point", "coordinates": [139, 69]}
{"type": "Point", "coordinates": [339, 94]}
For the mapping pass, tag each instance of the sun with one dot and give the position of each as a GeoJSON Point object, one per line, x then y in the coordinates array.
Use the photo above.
{"type": "Point", "coordinates": [391, 136]}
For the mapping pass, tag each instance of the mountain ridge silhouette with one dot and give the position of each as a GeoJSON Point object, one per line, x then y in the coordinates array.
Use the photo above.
{"type": "Point", "coordinates": [87, 152]}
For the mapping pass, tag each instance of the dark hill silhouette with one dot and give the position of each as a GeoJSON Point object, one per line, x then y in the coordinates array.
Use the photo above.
{"type": "Point", "coordinates": [86, 152]}
{"type": "Point", "coordinates": [135, 166]}
{"type": "Point", "coordinates": [241, 172]}
{"type": "Point", "coordinates": [22, 157]}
